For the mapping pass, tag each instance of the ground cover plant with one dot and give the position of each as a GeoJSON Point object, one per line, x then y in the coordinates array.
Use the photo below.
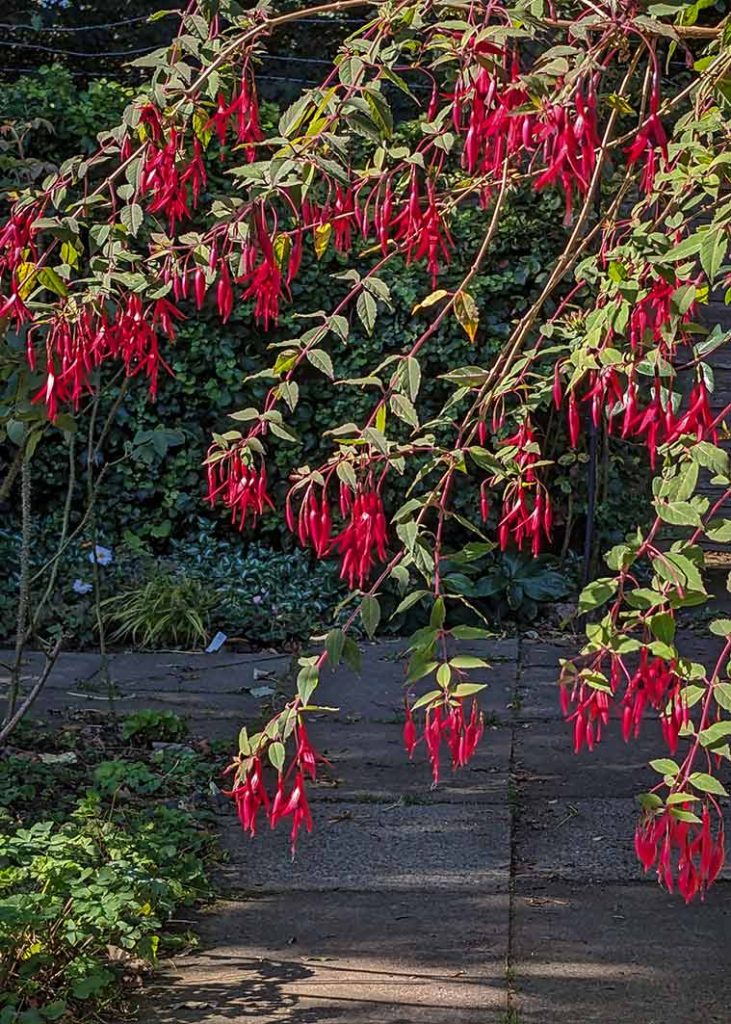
{"type": "Point", "coordinates": [575, 100]}
{"type": "Point", "coordinates": [102, 839]}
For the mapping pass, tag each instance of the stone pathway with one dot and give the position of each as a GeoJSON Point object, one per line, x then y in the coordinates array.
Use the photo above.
{"type": "Point", "coordinates": [510, 895]}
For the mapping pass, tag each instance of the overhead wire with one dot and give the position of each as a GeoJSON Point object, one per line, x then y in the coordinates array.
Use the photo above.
{"type": "Point", "coordinates": [15, 27]}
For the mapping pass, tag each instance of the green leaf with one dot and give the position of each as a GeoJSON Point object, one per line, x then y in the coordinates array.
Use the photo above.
{"type": "Point", "coordinates": [307, 681]}
{"type": "Point", "coordinates": [722, 695]}
{"type": "Point", "coordinates": [413, 376]}
{"type": "Point", "coordinates": [367, 311]}
{"type": "Point", "coordinates": [468, 661]}
{"type": "Point", "coordinates": [468, 689]}
{"type": "Point", "coordinates": [665, 766]}
{"type": "Point", "coordinates": [410, 600]}
{"type": "Point", "coordinates": [404, 408]}
{"type": "Point", "coordinates": [427, 698]}
{"type": "Point", "coordinates": [715, 733]}
{"type": "Point", "coordinates": [470, 633]}
{"type": "Point", "coordinates": [662, 626]}
{"type": "Point", "coordinates": [132, 217]}
{"type": "Point", "coordinates": [351, 654]}
{"type": "Point", "coordinates": [597, 593]}
{"type": "Point", "coordinates": [707, 783]}
{"type": "Point", "coordinates": [370, 614]}
{"type": "Point", "coordinates": [678, 513]}
{"type": "Point", "coordinates": [713, 251]}
{"type": "Point", "coordinates": [321, 361]}
{"type": "Point", "coordinates": [719, 531]}
{"type": "Point", "coordinates": [438, 614]}
{"type": "Point", "coordinates": [277, 754]}
{"type": "Point", "coordinates": [720, 627]}
{"type": "Point", "coordinates": [50, 280]}
{"type": "Point", "coordinates": [444, 674]}
{"type": "Point", "coordinates": [334, 644]}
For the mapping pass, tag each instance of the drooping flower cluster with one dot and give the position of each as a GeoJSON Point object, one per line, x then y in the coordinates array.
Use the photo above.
{"type": "Point", "coordinates": [363, 540]}
{"type": "Point", "coordinates": [239, 114]}
{"type": "Point", "coordinates": [360, 543]}
{"type": "Point", "coordinates": [446, 722]}
{"type": "Point", "coordinates": [77, 341]}
{"type": "Point", "coordinates": [172, 178]}
{"type": "Point", "coordinates": [289, 799]}
{"type": "Point", "coordinates": [526, 512]}
{"type": "Point", "coordinates": [655, 684]}
{"type": "Point", "coordinates": [568, 145]}
{"type": "Point", "coordinates": [650, 143]}
{"type": "Point", "coordinates": [686, 854]}
{"type": "Point", "coordinates": [421, 228]}
{"type": "Point", "coordinates": [237, 482]}
{"type": "Point", "coordinates": [586, 700]}
{"type": "Point", "coordinates": [492, 110]}
{"type": "Point", "coordinates": [613, 391]}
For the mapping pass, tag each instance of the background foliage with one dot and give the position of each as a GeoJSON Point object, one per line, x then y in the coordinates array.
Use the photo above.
{"type": "Point", "coordinates": [150, 505]}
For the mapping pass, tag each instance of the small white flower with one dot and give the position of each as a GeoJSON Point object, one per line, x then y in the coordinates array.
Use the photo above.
{"type": "Point", "coordinates": [257, 599]}
{"type": "Point", "coordinates": [82, 588]}
{"type": "Point", "coordinates": [101, 555]}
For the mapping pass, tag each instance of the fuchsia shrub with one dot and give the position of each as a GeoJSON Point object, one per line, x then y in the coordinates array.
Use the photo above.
{"type": "Point", "coordinates": [95, 265]}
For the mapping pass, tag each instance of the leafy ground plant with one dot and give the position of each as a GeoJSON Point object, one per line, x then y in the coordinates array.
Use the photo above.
{"type": "Point", "coordinates": [95, 857]}
{"type": "Point", "coordinates": [164, 610]}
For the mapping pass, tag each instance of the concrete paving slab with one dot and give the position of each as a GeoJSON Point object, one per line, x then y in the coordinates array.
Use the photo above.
{"type": "Point", "coordinates": [547, 767]}
{"type": "Point", "coordinates": [605, 954]}
{"type": "Point", "coordinates": [368, 762]}
{"type": "Point", "coordinates": [537, 653]}
{"type": "Point", "coordinates": [579, 839]}
{"type": "Point", "coordinates": [376, 694]}
{"type": "Point", "coordinates": [365, 958]}
{"type": "Point", "coordinates": [375, 847]}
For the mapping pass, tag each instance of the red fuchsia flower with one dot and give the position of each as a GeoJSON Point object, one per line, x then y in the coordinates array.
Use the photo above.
{"type": "Point", "coordinates": [172, 178]}
{"type": "Point", "coordinates": [17, 241]}
{"type": "Point", "coordinates": [363, 540]}
{"type": "Point", "coordinates": [295, 806]}
{"type": "Point", "coordinates": [526, 512]}
{"type": "Point", "coordinates": [383, 213]}
{"type": "Point", "coordinates": [651, 314]}
{"type": "Point", "coordinates": [651, 142]}
{"type": "Point", "coordinates": [421, 227]}
{"type": "Point", "coordinates": [241, 115]}
{"type": "Point", "coordinates": [588, 706]}
{"type": "Point", "coordinates": [410, 733]}
{"type": "Point", "coordinates": [606, 392]}
{"type": "Point", "coordinates": [658, 423]}
{"type": "Point", "coordinates": [246, 109]}
{"type": "Point", "coordinates": [262, 275]}
{"type": "Point", "coordinates": [76, 342]}
{"type": "Point", "coordinates": [15, 309]}
{"type": "Point", "coordinates": [655, 684]}
{"type": "Point", "coordinates": [224, 291]}
{"type": "Point", "coordinates": [133, 336]}
{"type": "Point", "coordinates": [446, 721]}
{"type": "Point", "coordinates": [250, 795]}
{"type": "Point", "coordinates": [686, 854]}
{"type": "Point", "coordinates": [151, 122]}
{"type": "Point", "coordinates": [568, 147]}
{"type": "Point", "coordinates": [306, 756]}
{"type": "Point", "coordinates": [313, 523]}
{"type": "Point", "coordinates": [489, 110]}
{"type": "Point", "coordinates": [344, 219]}
{"type": "Point", "coordinates": [235, 481]}
{"type": "Point", "coordinates": [590, 715]}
